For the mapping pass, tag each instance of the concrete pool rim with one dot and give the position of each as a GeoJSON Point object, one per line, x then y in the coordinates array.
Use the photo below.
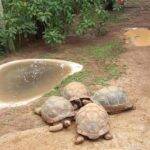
{"type": "Point", "coordinates": [75, 67]}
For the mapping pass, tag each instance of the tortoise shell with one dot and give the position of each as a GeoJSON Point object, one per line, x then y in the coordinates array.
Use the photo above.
{"type": "Point", "coordinates": [112, 98]}
{"type": "Point", "coordinates": [75, 90]}
{"type": "Point", "coordinates": [56, 108]}
{"type": "Point", "coordinates": [92, 121]}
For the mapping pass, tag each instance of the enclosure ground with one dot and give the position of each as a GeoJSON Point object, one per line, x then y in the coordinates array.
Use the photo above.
{"type": "Point", "coordinates": [20, 129]}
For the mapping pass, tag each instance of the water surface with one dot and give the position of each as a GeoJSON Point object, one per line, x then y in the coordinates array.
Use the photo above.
{"type": "Point", "coordinates": [138, 36]}
{"type": "Point", "coordinates": [29, 79]}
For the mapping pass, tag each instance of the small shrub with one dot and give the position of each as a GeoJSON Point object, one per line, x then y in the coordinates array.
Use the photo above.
{"type": "Point", "coordinates": [53, 36]}
{"type": "Point", "coordinates": [54, 16]}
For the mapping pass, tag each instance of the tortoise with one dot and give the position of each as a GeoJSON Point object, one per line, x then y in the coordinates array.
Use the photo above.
{"type": "Point", "coordinates": [77, 94]}
{"type": "Point", "coordinates": [113, 99]}
{"type": "Point", "coordinates": [92, 123]}
{"type": "Point", "coordinates": [57, 112]}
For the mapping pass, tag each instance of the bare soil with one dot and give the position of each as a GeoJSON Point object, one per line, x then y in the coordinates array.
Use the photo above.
{"type": "Point", "coordinates": [20, 129]}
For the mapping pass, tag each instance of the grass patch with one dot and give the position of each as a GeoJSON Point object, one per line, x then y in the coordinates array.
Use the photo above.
{"type": "Point", "coordinates": [53, 92]}
{"type": "Point", "coordinates": [102, 81]}
{"type": "Point", "coordinates": [113, 71]}
{"type": "Point", "coordinates": [108, 51]}
{"type": "Point", "coordinates": [104, 57]}
{"type": "Point", "coordinates": [79, 77]}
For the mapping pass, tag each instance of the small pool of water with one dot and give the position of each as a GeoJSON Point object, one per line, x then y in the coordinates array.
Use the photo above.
{"type": "Point", "coordinates": [138, 36]}
{"type": "Point", "coordinates": [26, 80]}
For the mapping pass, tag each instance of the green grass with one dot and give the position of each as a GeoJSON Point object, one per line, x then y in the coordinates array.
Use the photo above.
{"type": "Point", "coordinates": [108, 51]}
{"type": "Point", "coordinates": [53, 92]}
{"type": "Point", "coordinates": [106, 54]}
{"type": "Point", "coordinates": [113, 71]}
{"type": "Point", "coordinates": [80, 77]}
{"type": "Point", "coordinates": [102, 81]}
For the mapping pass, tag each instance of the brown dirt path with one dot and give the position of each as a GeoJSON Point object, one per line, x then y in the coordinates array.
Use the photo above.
{"type": "Point", "coordinates": [131, 130]}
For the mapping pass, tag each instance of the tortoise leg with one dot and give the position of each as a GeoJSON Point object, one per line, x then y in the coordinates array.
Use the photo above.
{"type": "Point", "coordinates": [79, 139]}
{"type": "Point", "coordinates": [56, 127]}
{"type": "Point", "coordinates": [85, 102]}
{"type": "Point", "coordinates": [108, 136]}
{"type": "Point", "coordinates": [66, 123]}
{"type": "Point", "coordinates": [37, 111]}
{"type": "Point", "coordinates": [75, 106]}
{"type": "Point", "coordinates": [130, 106]}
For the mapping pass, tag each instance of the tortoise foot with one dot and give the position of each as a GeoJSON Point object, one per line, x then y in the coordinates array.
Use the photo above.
{"type": "Point", "coordinates": [85, 102]}
{"type": "Point", "coordinates": [108, 136]}
{"type": "Point", "coordinates": [37, 111]}
{"type": "Point", "coordinates": [56, 127]}
{"type": "Point", "coordinates": [79, 140]}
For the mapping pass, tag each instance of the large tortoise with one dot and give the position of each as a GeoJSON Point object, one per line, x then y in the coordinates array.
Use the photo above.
{"type": "Point", "coordinates": [92, 123]}
{"type": "Point", "coordinates": [77, 94]}
{"type": "Point", "coordinates": [57, 112]}
{"type": "Point", "coordinates": [113, 99]}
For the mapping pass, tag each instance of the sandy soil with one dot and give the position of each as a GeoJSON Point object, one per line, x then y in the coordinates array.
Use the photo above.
{"type": "Point", "coordinates": [131, 130]}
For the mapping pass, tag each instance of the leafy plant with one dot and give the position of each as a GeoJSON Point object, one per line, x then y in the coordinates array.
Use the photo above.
{"type": "Point", "coordinates": [53, 36]}
{"type": "Point", "coordinates": [52, 19]}
{"type": "Point", "coordinates": [18, 23]}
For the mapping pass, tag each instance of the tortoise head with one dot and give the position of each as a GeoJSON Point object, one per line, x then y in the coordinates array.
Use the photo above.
{"type": "Point", "coordinates": [79, 102]}
{"type": "Point", "coordinates": [76, 103]}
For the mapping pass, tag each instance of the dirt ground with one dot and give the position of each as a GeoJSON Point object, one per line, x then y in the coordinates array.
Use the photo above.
{"type": "Point", "coordinates": [20, 129]}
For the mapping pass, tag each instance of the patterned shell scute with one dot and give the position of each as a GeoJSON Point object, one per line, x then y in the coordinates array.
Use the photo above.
{"type": "Point", "coordinates": [92, 121]}
{"type": "Point", "coordinates": [75, 90]}
{"type": "Point", "coordinates": [111, 96]}
{"type": "Point", "coordinates": [56, 108]}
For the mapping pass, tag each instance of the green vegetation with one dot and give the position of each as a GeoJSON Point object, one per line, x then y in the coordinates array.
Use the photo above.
{"type": "Point", "coordinates": [53, 92]}
{"type": "Point", "coordinates": [105, 55]}
{"type": "Point", "coordinates": [80, 77]}
{"type": "Point", "coordinates": [108, 51]}
{"type": "Point", "coordinates": [51, 20]}
{"type": "Point", "coordinates": [102, 81]}
{"type": "Point", "coordinates": [113, 70]}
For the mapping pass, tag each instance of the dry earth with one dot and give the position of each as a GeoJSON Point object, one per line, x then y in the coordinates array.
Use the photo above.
{"type": "Point", "coordinates": [131, 130]}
